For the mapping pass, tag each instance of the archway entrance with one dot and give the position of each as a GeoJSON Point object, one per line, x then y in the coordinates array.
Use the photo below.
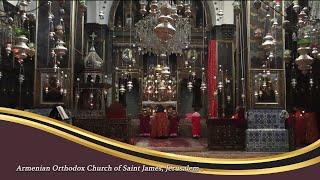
{"type": "Point", "coordinates": [170, 79]}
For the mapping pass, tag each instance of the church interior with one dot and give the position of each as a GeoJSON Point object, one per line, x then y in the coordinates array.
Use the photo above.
{"type": "Point", "coordinates": [202, 78]}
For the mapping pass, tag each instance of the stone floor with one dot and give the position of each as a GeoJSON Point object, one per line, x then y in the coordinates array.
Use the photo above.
{"type": "Point", "coordinates": [193, 147]}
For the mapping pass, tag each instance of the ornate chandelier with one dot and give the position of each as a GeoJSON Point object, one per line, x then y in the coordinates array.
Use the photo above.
{"type": "Point", "coordinates": [166, 29]}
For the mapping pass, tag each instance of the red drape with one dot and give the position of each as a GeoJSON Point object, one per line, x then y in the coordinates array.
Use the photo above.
{"type": "Point", "coordinates": [211, 78]}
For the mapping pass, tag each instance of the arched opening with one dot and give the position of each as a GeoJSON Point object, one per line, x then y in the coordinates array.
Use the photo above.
{"type": "Point", "coordinates": [190, 64]}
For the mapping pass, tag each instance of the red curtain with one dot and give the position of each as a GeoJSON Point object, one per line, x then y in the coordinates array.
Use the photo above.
{"type": "Point", "coordinates": [211, 78]}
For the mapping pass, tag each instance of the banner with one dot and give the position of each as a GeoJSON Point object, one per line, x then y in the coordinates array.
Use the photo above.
{"type": "Point", "coordinates": [212, 80]}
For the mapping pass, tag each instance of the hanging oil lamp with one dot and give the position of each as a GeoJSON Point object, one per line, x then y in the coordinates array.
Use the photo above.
{"type": "Point", "coordinates": [8, 48]}
{"type": "Point", "coordinates": [122, 89]}
{"type": "Point", "coordinates": [268, 43]}
{"type": "Point", "coordinates": [165, 71]}
{"type": "Point", "coordinates": [179, 5]}
{"type": "Point", "coordinates": [154, 7]}
{"type": "Point", "coordinates": [296, 6]}
{"type": "Point", "coordinates": [158, 68]}
{"type": "Point", "coordinates": [293, 82]}
{"type": "Point", "coordinates": [129, 85]}
{"type": "Point", "coordinates": [20, 48]}
{"type": "Point", "coordinates": [162, 87]}
{"type": "Point", "coordinates": [60, 49]}
{"type": "Point", "coordinates": [203, 86]}
{"type": "Point", "coordinates": [143, 7]}
{"type": "Point", "coordinates": [189, 86]}
{"type": "Point", "coordinates": [187, 7]}
{"type": "Point", "coordinates": [82, 6]}
{"type": "Point", "coordinates": [59, 31]}
{"type": "Point", "coordinates": [174, 12]}
{"type": "Point", "coordinates": [287, 55]}
{"type": "Point", "coordinates": [304, 61]}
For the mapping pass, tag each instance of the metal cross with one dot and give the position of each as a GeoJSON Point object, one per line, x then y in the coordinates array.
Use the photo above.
{"type": "Point", "coordinates": [93, 36]}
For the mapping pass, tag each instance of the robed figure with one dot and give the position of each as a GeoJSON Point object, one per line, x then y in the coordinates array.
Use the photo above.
{"type": "Point", "coordinates": [144, 118]}
{"type": "Point", "coordinates": [174, 122]}
{"type": "Point", "coordinates": [196, 126]}
{"type": "Point", "coordinates": [160, 123]}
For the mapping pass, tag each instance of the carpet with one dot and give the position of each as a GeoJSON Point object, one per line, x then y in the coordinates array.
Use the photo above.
{"type": "Point", "coordinates": [173, 144]}
{"type": "Point", "coordinates": [193, 147]}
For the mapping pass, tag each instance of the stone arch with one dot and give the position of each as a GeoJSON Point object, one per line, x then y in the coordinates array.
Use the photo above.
{"type": "Point", "coordinates": [208, 5]}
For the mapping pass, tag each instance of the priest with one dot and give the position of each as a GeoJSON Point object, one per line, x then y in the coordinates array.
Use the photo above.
{"type": "Point", "coordinates": [174, 121]}
{"type": "Point", "coordinates": [144, 118]}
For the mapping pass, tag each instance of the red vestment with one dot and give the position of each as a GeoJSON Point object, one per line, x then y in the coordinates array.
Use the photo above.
{"type": "Point", "coordinates": [159, 125]}
{"type": "Point", "coordinates": [144, 125]}
{"type": "Point", "coordinates": [312, 133]}
{"type": "Point", "coordinates": [299, 128]}
{"type": "Point", "coordinates": [174, 121]}
{"type": "Point", "coordinates": [196, 126]}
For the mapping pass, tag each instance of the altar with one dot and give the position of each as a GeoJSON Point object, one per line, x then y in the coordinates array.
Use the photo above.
{"type": "Point", "coordinates": [154, 104]}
